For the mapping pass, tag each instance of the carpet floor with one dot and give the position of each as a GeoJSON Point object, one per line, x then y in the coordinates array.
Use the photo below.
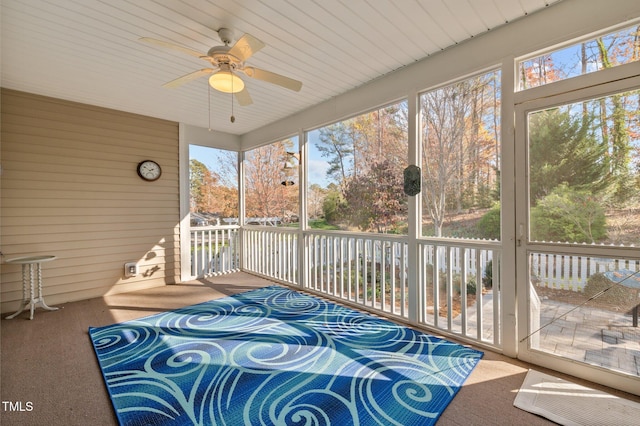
{"type": "Point", "coordinates": [49, 368]}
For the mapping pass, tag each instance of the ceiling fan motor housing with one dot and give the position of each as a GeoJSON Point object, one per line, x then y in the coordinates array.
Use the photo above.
{"type": "Point", "coordinates": [226, 35]}
{"type": "Point", "coordinates": [219, 55]}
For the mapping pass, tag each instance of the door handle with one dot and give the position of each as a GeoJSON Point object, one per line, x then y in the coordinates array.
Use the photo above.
{"type": "Point", "coordinates": [520, 234]}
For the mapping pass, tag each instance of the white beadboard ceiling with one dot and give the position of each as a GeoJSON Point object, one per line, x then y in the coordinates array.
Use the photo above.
{"type": "Point", "coordinates": [89, 50]}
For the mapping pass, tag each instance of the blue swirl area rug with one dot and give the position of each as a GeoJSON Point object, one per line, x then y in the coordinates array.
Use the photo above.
{"type": "Point", "coordinates": [274, 356]}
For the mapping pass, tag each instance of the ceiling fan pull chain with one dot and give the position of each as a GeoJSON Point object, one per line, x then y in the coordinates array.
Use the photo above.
{"type": "Point", "coordinates": [233, 119]}
{"type": "Point", "coordinates": [209, 105]}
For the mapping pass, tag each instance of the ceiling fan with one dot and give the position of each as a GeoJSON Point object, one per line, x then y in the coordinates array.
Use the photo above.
{"type": "Point", "coordinates": [227, 62]}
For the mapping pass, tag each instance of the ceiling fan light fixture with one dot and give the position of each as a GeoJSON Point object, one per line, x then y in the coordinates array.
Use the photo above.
{"type": "Point", "coordinates": [227, 82]}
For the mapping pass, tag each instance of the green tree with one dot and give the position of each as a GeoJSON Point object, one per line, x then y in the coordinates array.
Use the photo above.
{"type": "Point", "coordinates": [332, 204]}
{"type": "Point", "coordinates": [563, 150]}
{"type": "Point", "coordinates": [618, 136]}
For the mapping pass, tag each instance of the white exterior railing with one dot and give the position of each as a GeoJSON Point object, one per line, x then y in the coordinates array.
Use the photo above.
{"type": "Point", "coordinates": [566, 272]}
{"type": "Point", "coordinates": [215, 250]}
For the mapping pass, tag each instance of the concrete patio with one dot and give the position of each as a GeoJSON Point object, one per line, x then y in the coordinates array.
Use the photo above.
{"type": "Point", "coordinates": [587, 334]}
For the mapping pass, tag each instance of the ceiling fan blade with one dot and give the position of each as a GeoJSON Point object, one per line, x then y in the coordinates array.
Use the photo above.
{"type": "Point", "coordinates": [243, 97]}
{"type": "Point", "coordinates": [189, 77]}
{"type": "Point", "coordinates": [246, 47]}
{"type": "Point", "coordinates": [173, 46]}
{"type": "Point", "coordinates": [271, 77]}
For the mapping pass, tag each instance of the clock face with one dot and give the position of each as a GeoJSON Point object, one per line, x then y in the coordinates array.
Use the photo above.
{"type": "Point", "coordinates": [149, 170]}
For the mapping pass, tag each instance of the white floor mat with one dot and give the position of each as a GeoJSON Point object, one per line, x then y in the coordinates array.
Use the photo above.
{"type": "Point", "coordinates": [570, 404]}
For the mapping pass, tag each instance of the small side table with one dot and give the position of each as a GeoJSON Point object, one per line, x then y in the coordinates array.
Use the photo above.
{"type": "Point", "coordinates": [31, 276]}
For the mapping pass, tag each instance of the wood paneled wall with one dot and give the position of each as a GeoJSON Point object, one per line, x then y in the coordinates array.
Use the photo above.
{"type": "Point", "coordinates": [69, 188]}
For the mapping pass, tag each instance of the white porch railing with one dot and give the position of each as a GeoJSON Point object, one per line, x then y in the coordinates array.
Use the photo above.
{"type": "Point", "coordinates": [460, 282]}
{"type": "Point", "coordinates": [371, 270]}
{"type": "Point", "coordinates": [214, 250]}
{"type": "Point", "coordinates": [366, 269]}
{"type": "Point", "coordinates": [272, 253]}
{"type": "Point", "coordinates": [458, 288]}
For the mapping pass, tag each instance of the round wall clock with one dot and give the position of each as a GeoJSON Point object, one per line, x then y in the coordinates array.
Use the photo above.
{"type": "Point", "coordinates": [149, 170]}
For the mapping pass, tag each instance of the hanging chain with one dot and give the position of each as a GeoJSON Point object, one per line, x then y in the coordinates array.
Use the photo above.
{"type": "Point", "coordinates": [233, 119]}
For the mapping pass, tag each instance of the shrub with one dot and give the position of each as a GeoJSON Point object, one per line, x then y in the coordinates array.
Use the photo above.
{"type": "Point", "coordinates": [487, 277]}
{"type": "Point", "coordinates": [617, 294]}
{"type": "Point", "coordinates": [331, 207]}
{"type": "Point", "coordinates": [471, 283]}
{"type": "Point", "coordinates": [568, 215]}
{"type": "Point", "coordinates": [471, 286]}
{"type": "Point", "coordinates": [489, 224]}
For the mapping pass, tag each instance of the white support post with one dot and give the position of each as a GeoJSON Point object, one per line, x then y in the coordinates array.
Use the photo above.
{"type": "Point", "coordinates": [508, 276]}
{"type": "Point", "coordinates": [302, 277]}
{"type": "Point", "coordinates": [415, 212]}
{"type": "Point", "coordinates": [241, 209]}
{"type": "Point", "coordinates": [185, 226]}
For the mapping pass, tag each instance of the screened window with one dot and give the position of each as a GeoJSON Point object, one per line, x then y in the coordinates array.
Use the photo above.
{"type": "Point", "coordinates": [271, 184]}
{"type": "Point", "coordinates": [460, 133]}
{"type": "Point", "coordinates": [356, 173]}
{"type": "Point", "coordinates": [607, 51]}
{"type": "Point", "coordinates": [584, 171]}
{"type": "Point", "coordinates": [213, 186]}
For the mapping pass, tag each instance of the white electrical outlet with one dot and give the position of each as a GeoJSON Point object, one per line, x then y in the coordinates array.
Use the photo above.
{"type": "Point", "coordinates": [130, 269]}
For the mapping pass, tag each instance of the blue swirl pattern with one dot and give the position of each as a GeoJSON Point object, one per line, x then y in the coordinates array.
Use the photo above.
{"type": "Point", "coordinates": [274, 356]}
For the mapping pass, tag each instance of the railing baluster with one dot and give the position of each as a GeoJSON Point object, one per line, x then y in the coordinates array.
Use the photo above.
{"type": "Point", "coordinates": [214, 250]}
{"type": "Point", "coordinates": [427, 277]}
{"type": "Point", "coordinates": [374, 279]}
{"type": "Point", "coordinates": [365, 272]}
{"type": "Point", "coordinates": [392, 272]}
{"type": "Point", "coordinates": [495, 290]}
{"type": "Point", "coordinates": [341, 256]}
{"type": "Point", "coordinates": [436, 285]}
{"type": "Point", "coordinates": [449, 287]}
{"type": "Point", "coordinates": [463, 290]}
{"type": "Point", "coordinates": [194, 254]}
{"type": "Point", "coordinates": [357, 264]}
{"type": "Point", "coordinates": [479, 316]}
{"type": "Point", "coordinates": [349, 255]}
{"type": "Point", "coordinates": [403, 281]}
